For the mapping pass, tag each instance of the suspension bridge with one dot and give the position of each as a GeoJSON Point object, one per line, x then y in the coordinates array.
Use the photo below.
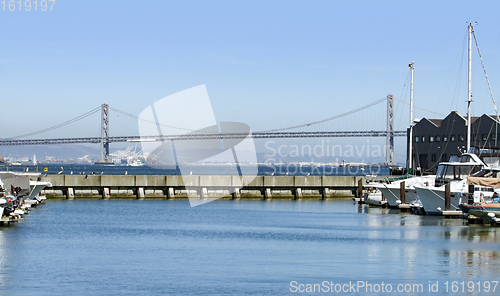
{"type": "Point", "coordinates": [104, 139]}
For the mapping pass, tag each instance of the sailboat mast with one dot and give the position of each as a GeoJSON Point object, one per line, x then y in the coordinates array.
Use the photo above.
{"type": "Point", "coordinates": [410, 146]}
{"type": "Point", "coordinates": [469, 99]}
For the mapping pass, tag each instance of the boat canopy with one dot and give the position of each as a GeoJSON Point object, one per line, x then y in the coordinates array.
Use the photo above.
{"type": "Point", "coordinates": [489, 182]}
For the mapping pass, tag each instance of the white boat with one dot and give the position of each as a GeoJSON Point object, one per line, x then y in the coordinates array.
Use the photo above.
{"type": "Point", "coordinates": [37, 187]}
{"type": "Point", "coordinates": [374, 197]}
{"type": "Point", "coordinates": [433, 197]}
{"type": "Point", "coordinates": [3, 202]}
{"type": "Point", "coordinates": [392, 191]}
{"type": "Point", "coordinates": [135, 162]}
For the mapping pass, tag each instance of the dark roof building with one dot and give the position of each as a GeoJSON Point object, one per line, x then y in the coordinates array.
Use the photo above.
{"type": "Point", "coordinates": [435, 140]}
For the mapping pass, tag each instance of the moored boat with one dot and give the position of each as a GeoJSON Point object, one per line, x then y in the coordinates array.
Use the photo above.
{"type": "Point", "coordinates": [374, 197]}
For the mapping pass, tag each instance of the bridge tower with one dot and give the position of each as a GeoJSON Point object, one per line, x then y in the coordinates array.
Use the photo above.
{"type": "Point", "coordinates": [389, 142]}
{"type": "Point", "coordinates": [104, 158]}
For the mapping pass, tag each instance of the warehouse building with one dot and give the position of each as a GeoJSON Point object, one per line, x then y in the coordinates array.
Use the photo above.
{"type": "Point", "coordinates": [436, 140]}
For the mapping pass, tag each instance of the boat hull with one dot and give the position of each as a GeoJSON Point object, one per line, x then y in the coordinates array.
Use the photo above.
{"type": "Point", "coordinates": [487, 207]}
{"type": "Point", "coordinates": [374, 198]}
{"type": "Point", "coordinates": [433, 201]}
{"type": "Point", "coordinates": [392, 191]}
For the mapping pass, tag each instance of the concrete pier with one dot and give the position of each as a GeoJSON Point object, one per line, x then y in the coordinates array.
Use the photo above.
{"type": "Point", "coordinates": [230, 187]}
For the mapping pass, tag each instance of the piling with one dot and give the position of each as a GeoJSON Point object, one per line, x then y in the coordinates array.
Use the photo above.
{"type": "Point", "coordinates": [298, 193]}
{"type": "Point", "coordinates": [70, 193]}
{"type": "Point", "coordinates": [360, 189]}
{"type": "Point", "coordinates": [268, 194]}
{"type": "Point", "coordinates": [325, 192]}
{"type": "Point", "coordinates": [447, 197]}
{"type": "Point", "coordinates": [105, 193]}
{"type": "Point", "coordinates": [471, 195]}
{"type": "Point", "coordinates": [402, 191]}
{"type": "Point", "coordinates": [170, 193]}
{"type": "Point", "coordinates": [140, 193]}
{"type": "Point", "coordinates": [236, 194]}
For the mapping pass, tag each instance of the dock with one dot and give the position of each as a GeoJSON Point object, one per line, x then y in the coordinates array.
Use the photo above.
{"type": "Point", "coordinates": [229, 187]}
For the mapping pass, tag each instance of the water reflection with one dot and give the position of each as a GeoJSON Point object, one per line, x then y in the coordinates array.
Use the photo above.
{"type": "Point", "coordinates": [457, 250]}
{"type": "Point", "coordinates": [241, 246]}
{"type": "Point", "coordinates": [3, 260]}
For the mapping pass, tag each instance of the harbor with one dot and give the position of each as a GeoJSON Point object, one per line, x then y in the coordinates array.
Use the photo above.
{"type": "Point", "coordinates": [249, 148]}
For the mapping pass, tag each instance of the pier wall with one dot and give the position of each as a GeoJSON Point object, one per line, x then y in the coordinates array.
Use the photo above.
{"type": "Point", "coordinates": [232, 187]}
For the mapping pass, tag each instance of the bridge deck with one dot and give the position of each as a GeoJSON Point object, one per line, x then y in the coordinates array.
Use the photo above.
{"type": "Point", "coordinates": [257, 135]}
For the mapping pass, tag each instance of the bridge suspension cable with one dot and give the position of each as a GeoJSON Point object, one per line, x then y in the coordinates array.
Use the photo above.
{"type": "Point", "coordinates": [427, 110]}
{"type": "Point", "coordinates": [59, 125]}
{"type": "Point", "coordinates": [266, 131]}
{"type": "Point", "coordinates": [330, 118]}
{"type": "Point", "coordinates": [149, 121]}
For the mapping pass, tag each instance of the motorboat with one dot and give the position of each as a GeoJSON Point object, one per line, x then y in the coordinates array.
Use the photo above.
{"type": "Point", "coordinates": [392, 190]}
{"type": "Point", "coordinates": [374, 197]}
{"type": "Point", "coordinates": [455, 169]}
{"type": "Point", "coordinates": [135, 162]}
{"type": "Point", "coordinates": [36, 187]}
{"type": "Point", "coordinates": [433, 198]}
{"type": "Point", "coordinates": [3, 203]}
{"type": "Point", "coordinates": [20, 193]}
{"type": "Point", "coordinates": [483, 206]}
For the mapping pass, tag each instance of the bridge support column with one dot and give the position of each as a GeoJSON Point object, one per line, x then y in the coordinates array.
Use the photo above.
{"type": "Point", "coordinates": [105, 193]}
{"type": "Point", "coordinates": [389, 142]}
{"type": "Point", "coordinates": [104, 133]}
{"type": "Point", "coordinates": [70, 193]}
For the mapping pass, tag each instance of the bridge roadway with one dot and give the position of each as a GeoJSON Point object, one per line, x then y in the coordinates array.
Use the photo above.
{"type": "Point", "coordinates": [256, 135]}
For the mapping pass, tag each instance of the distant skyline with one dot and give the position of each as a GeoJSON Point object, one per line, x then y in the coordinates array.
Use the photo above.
{"type": "Point", "coordinates": [267, 64]}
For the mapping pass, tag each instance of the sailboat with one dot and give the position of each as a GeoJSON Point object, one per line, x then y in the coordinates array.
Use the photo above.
{"type": "Point", "coordinates": [397, 193]}
{"type": "Point", "coordinates": [433, 197]}
{"type": "Point", "coordinates": [425, 193]}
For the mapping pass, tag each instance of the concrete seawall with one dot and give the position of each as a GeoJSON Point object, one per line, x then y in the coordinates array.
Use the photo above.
{"type": "Point", "coordinates": [171, 187]}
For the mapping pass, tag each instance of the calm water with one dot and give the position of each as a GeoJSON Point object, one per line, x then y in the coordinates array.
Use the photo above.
{"type": "Point", "coordinates": [131, 247]}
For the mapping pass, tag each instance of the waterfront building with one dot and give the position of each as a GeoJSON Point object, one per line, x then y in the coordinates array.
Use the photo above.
{"type": "Point", "coordinates": [436, 140]}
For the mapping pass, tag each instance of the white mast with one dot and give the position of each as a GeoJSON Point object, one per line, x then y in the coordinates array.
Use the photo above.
{"type": "Point", "coordinates": [469, 99]}
{"type": "Point", "coordinates": [409, 166]}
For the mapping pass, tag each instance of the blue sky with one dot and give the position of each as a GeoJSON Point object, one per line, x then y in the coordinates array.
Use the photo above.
{"type": "Point", "coordinates": [269, 64]}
